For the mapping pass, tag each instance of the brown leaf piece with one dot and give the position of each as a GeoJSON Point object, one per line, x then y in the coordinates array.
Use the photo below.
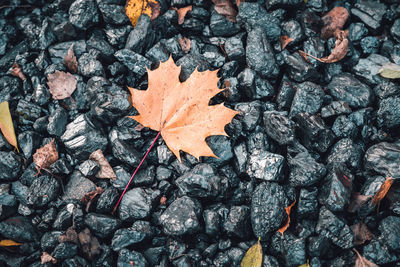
{"type": "Point", "coordinates": [106, 171]}
{"type": "Point", "coordinates": [61, 84]}
{"type": "Point", "coordinates": [185, 44]}
{"type": "Point", "coordinates": [363, 262]}
{"type": "Point", "coordinates": [45, 156]}
{"type": "Point", "coordinates": [338, 52]}
{"type": "Point", "coordinates": [334, 20]}
{"type": "Point", "coordinates": [70, 60]}
{"type": "Point", "coordinates": [376, 200]}
{"type": "Point", "coordinates": [17, 72]}
{"type": "Point", "coordinates": [163, 200]}
{"type": "Point", "coordinates": [9, 243]}
{"type": "Point", "coordinates": [225, 8]}
{"type": "Point", "coordinates": [238, 2]}
{"type": "Point", "coordinates": [70, 236]}
{"type": "Point", "coordinates": [357, 200]}
{"type": "Point", "coordinates": [46, 257]}
{"type": "Point", "coordinates": [88, 198]}
{"type": "Point", "coordinates": [182, 13]}
{"type": "Point", "coordinates": [134, 9]}
{"type": "Point", "coordinates": [361, 233]}
{"type": "Point", "coordinates": [285, 40]}
{"type": "Point", "coordinates": [89, 243]}
{"type": "Point", "coordinates": [286, 226]}
{"type": "Point", "coordinates": [180, 110]}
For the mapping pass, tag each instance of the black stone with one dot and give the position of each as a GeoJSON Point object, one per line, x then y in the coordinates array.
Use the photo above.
{"type": "Point", "coordinates": [101, 225]}
{"type": "Point", "coordinates": [304, 170]}
{"type": "Point", "coordinates": [10, 166]}
{"type": "Point", "coordinates": [83, 14]}
{"type": "Point", "coordinates": [43, 190]}
{"type": "Point", "coordinates": [382, 159]}
{"type": "Point", "coordinates": [137, 203]}
{"type": "Point", "coordinates": [140, 231]}
{"type": "Point", "coordinates": [308, 98]}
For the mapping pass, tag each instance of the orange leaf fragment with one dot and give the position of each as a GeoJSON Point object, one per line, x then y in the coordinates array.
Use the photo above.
{"type": "Point", "coordinates": [70, 60]}
{"type": "Point", "coordinates": [285, 40]}
{"type": "Point", "coordinates": [182, 13]}
{"type": "Point", "coordinates": [184, 43]}
{"type": "Point", "coordinates": [61, 84]}
{"type": "Point", "coordinates": [382, 191]}
{"type": "Point", "coordinates": [363, 262]}
{"type": "Point", "coordinates": [225, 8]}
{"type": "Point", "coordinates": [180, 110]}
{"type": "Point", "coordinates": [334, 20]}
{"type": "Point", "coordinates": [17, 72]}
{"type": "Point", "coordinates": [46, 257]}
{"type": "Point", "coordinates": [45, 156]}
{"type": "Point", "coordinates": [238, 2]}
{"type": "Point", "coordinates": [106, 171]}
{"type": "Point", "coordinates": [286, 226]}
{"type": "Point", "coordinates": [134, 9]}
{"type": "Point", "coordinates": [9, 243]}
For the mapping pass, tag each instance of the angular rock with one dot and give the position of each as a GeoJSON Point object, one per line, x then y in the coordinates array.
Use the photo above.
{"type": "Point", "coordinates": [139, 232]}
{"type": "Point", "coordinates": [10, 166]}
{"type": "Point", "coordinates": [307, 206]}
{"type": "Point", "coordinates": [83, 14]}
{"type": "Point", "coordinates": [136, 204]}
{"type": "Point", "coordinates": [135, 62]}
{"type": "Point", "coordinates": [265, 166]}
{"type": "Point", "coordinates": [389, 112]}
{"type": "Point", "coordinates": [279, 127]}
{"type": "Point", "coordinates": [383, 158]}
{"type": "Point", "coordinates": [335, 108]}
{"type": "Point", "coordinates": [43, 190]}
{"type": "Point", "coordinates": [101, 225]}
{"type": "Point", "coordinates": [113, 14]}
{"type": "Point", "coordinates": [238, 222]}
{"type": "Point", "coordinates": [367, 68]}
{"type": "Point", "coordinates": [78, 186]}
{"type": "Point", "coordinates": [304, 170]}
{"type": "Point", "coordinates": [347, 152]}
{"type": "Point", "coordinates": [18, 229]}
{"type": "Point", "coordinates": [57, 122]}
{"type": "Point", "coordinates": [308, 98]}
{"type": "Point", "coordinates": [125, 257]}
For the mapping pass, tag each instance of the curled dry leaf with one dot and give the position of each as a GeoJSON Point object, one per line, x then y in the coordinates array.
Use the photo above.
{"type": "Point", "coordinates": [70, 60]}
{"type": "Point", "coordinates": [390, 71]}
{"type": "Point", "coordinates": [45, 156]}
{"type": "Point", "coordinates": [88, 198]}
{"type": "Point", "coordinates": [363, 262]}
{"type": "Point", "coordinates": [135, 8]}
{"type": "Point", "coordinates": [182, 13]}
{"type": "Point", "coordinates": [6, 125]}
{"type": "Point", "coordinates": [361, 233]}
{"type": "Point", "coordinates": [338, 52]}
{"type": "Point", "coordinates": [382, 191]}
{"type": "Point", "coordinates": [17, 72]}
{"type": "Point", "coordinates": [9, 243]}
{"type": "Point", "coordinates": [357, 200]}
{"type": "Point", "coordinates": [184, 43]}
{"type": "Point", "coordinates": [286, 226]}
{"type": "Point", "coordinates": [70, 236]}
{"type": "Point", "coordinates": [253, 256]}
{"type": "Point", "coordinates": [334, 20]}
{"type": "Point", "coordinates": [106, 171]}
{"type": "Point", "coordinates": [61, 84]}
{"type": "Point", "coordinates": [46, 257]}
{"type": "Point", "coordinates": [225, 8]}
{"type": "Point", "coordinates": [285, 40]}
{"type": "Point", "coordinates": [89, 243]}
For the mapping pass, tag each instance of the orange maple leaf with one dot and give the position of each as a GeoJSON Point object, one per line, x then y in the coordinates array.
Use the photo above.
{"type": "Point", "coordinates": [180, 110]}
{"type": "Point", "coordinates": [286, 226]}
{"type": "Point", "coordinates": [382, 191]}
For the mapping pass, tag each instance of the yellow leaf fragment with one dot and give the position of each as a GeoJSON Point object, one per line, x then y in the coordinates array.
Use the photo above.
{"type": "Point", "coordinates": [307, 264]}
{"type": "Point", "coordinates": [135, 8]}
{"type": "Point", "coordinates": [9, 243]}
{"type": "Point", "coordinates": [6, 124]}
{"type": "Point", "coordinates": [390, 71]}
{"type": "Point", "coordinates": [253, 256]}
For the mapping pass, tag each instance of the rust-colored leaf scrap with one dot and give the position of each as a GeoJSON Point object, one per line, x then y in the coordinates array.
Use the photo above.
{"type": "Point", "coordinates": [286, 226]}
{"type": "Point", "coordinates": [45, 156]}
{"type": "Point", "coordinates": [134, 9]}
{"type": "Point", "coordinates": [180, 111]}
{"type": "Point", "coordinates": [61, 84]}
{"type": "Point", "coordinates": [9, 243]}
{"type": "Point", "coordinates": [184, 44]}
{"type": "Point", "coordinates": [225, 8]}
{"type": "Point", "coordinates": [285, 40]}
{"type": "Point", "coordinates": [356, 201]}
{"type": "Point", "coordinates": [382, 191]}
{"type": "Point", "coordinates": [238, 2]}
{"type": "Point", "coordinates": [334, 20]}
{"type": "Point", "coordinates": [363, 262]}
{"type": "Point", "coordinates": [46, 257]}
{"type": "Point", "coordinates": [106, 171]}
{"type": "Point", "coordinates": [182, 13]}
{"type": "Point", "coordinates": [17, 71]}
{"type": "Point", "coordinates": [88, 198]}
{"type": "Point", "coordinates": [338, 52]}
{"type": "Point", "coordinates": [70, 236]}
{"type": "Point", "coordinates": [361, 233]}
{"type": "Point", "coordinates": [70, 60]}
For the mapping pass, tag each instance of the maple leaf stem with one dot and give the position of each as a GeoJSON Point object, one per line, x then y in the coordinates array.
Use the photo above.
{"type": "Point", "coordinates": [137, 168]}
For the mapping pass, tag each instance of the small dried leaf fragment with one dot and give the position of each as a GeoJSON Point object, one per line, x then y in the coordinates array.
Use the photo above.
{"type": "Point", "coordinates": [135, 8]}
{"type": "Point", "coordinates": [225, 8]}
{"type": "Point", "coordinates": [334, 20]}
{"type": "Point", "coordinates": [182, 13]}
{"type": "Point", "coordinates": [238, 2]}
{"type": "Point", "coordinates": [363, 262]}
{"type": "Point", "coordinates": [70, 60]}
{"type": "Point", "coordinates": [307, 264]}
{"type": "Point", "coordinates": [88, 198]}
{"type": "Point", "coordinates": [45, 156]}
{"type": "Point", "coordinates": [286, 226]}
{"type": "Point", "coordinates": [61, 84]}
{"type": "Point", "coordinates": [46, 257]}
{"type": "Point", "coordinates": [357, 200]}
{"type": "Point", "coordinates": [89, 243]}
{"type": "Point", "coordinates": [70, 236]}
{"type": "Point", "coordinates": [361, 233]}
{"type": "Point", "coordinates": [184, 44]}
{"type": "Point", "coordinates": [253, 256]}
{"type": "Point", "coordinates": [390, 71]}
{"type": "Point", "coordinates": [6, 124]}
{"type": "Point", "coordinates": [338, 52]}
{"type": "Point", "coordinates": [106, 171]}
{"type": "Point", "coordinates": [285, 40]}
{"type": "Point", "coordinates": [382, 191]}
{"type": "Point", "coordinates": [9, 243]}
{"type": "Point", "coordinates": [17, 72]}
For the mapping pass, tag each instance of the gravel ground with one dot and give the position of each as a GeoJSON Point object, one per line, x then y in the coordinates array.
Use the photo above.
{"type": "Point", "coordinates": [322, 135]}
